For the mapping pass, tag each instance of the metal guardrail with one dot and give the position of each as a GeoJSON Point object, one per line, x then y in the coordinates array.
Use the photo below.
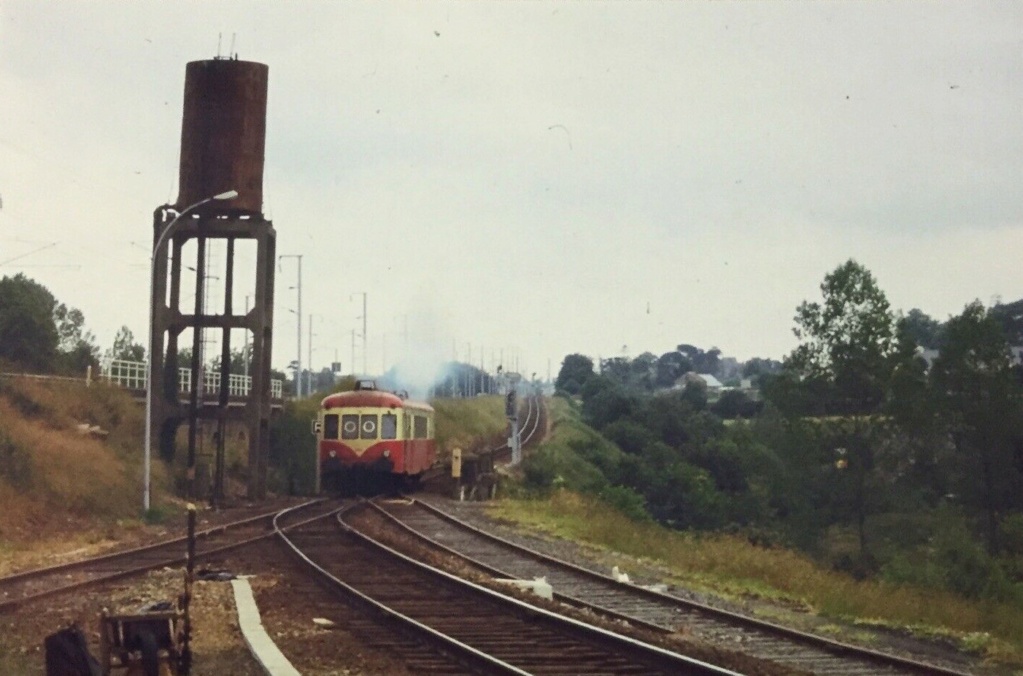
{"type": "Point", "coordinates": [132, 375]}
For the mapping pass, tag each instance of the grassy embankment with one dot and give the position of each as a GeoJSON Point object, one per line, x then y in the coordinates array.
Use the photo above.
{"type": "Point", "coordinates": [731, 566]}
{"type": "Point", "coordinates": [59, 488]}
{"type": "Point", "coordinates": [469, 424]}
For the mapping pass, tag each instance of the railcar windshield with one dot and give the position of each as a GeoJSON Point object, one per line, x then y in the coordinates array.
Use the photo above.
{"type": "Point", "coordinates": [350, 426]}
{"type": "Point", "coordinates": [369, 426]}
{"type": "Point", "coordinates": [330, 426]}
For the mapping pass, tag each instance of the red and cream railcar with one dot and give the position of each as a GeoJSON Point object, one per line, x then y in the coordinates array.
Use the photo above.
{"type": "Point", "coordinates": [373, 431]}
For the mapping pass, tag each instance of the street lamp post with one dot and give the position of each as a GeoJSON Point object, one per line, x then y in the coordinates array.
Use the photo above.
{"type": "Point", "coordinates": [245, 356]}
{"type": "Point", "coordinates": [230, 194]}
{"type": "Point", "coordinates": [310, 353]}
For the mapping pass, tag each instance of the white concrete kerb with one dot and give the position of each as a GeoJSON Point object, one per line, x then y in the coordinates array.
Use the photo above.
{"type": "Point", "coordinates": [266, 652]}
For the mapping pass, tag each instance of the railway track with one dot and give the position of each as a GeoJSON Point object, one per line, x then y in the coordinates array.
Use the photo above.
{"type": "Point", "coordinates": [33, 586]}
{"type": "Point", "coordinates": [651, 609]}
{"type": "Point", "coordinates": [530, 432]}
{"type": "Point", "coordinates": [487, 632]}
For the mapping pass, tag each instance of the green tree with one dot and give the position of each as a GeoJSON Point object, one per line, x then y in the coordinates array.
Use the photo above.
{"type": "Point", "coordinates": [919, 465]}
{"type": "Point", "coordinates": [28, 335]}
{"type": "Point", "coordinates": [923, 329]}
{"type": "Point", "coordinates": [848, 340]}
{"type": "Point", "coordinates": [670, 367]}
{"type": "Point", "coordinates": [1010, 316]}
{"type": "Point", "coordinates": [676, 492]}
{"type": "Point", "coordinates": [847, 354]}
{"type": "Point", "coordinates": [576, 369]}
{"type": "Point", "coordinates": [607, 406]}
{"type": "Point", "coordinates": [733, 404]}
{"type": "Point", "coordinates": [756, 368]}
{"type": "Point", "coordinates": [76, 346]}
{"type": "Point", "coordinates": [629, 435]}
{"type": "Point", "coordinates": [644, 371]}
{"type": "Point", "coordinates": [237, 365]}
{"type": "Point", "coordinates": [618, 369]}
{"type": "Point", "coordinates": [125, 347]}
{"type": "Point", "coordinates": [702, 362]}
{"type": "Point", "coordinates": [982, 406]}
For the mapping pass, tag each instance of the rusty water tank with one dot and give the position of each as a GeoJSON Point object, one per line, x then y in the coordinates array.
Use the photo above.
{"type": "Point", "coordinates": [223, 133]}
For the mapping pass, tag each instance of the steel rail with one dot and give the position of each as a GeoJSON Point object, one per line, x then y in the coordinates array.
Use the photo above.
{"type": "Point", "coordinates": [836, 648]}
{"type": "Point", "coordinates": [499, 573]}
{"type": "Point", "coordinates": [526, 438]}
{"type": "Point", "coordinates": [492, 664]}
{"type": "Point", "coordinates": [678, 663]}
{"type": "Point", "coordinates": [84, 565]}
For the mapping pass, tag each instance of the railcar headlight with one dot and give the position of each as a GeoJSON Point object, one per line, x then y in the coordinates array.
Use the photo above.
{"type": "Point", "coordinates": [387, 453]}
{"type": "Point", "coordinates": [333, 454]}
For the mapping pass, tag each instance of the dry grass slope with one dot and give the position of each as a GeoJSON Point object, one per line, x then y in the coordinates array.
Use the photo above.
{"type": "Point", "coordinates": [52, 477]}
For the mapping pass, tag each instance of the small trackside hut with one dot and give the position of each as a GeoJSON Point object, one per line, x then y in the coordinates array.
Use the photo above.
{"type": "Point", "coordinates": [372, 439]}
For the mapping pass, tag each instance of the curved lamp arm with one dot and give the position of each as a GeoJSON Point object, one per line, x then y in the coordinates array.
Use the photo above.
{"type": "Point", "coordinates": [228, 195]}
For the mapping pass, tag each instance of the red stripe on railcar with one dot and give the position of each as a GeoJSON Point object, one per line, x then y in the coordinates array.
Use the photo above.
{"type": "Point", "coordinates": [407, 457]}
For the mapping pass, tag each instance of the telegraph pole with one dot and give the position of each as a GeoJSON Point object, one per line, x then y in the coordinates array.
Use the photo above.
{"type": "Point", "coordinates": [245, 355]}
{"type": "Point", "coordinates": [298, 314]}
{"type": "Point", "coordinates": [365, 350]}
{"type": "Point", "coordinates": [310, 353]}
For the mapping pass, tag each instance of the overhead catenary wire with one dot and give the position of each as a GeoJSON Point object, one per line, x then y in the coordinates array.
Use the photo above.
{"type": "Point", "coordinates": [25, 255]}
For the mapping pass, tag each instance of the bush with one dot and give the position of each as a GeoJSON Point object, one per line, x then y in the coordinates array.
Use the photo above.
{"type": "Point", "coordinates": [293, 449]}
{"type": "Point", "coordinates": [606, 406]}
{"type": "Point", "coordinates": [627, 501]}
{"type": "Point", "coordinates": [557, 465]}
{"type": "Point", "coordinates": [15, 462]}
{"type": "Point", "coordinates": [954, 562]}
{"type": "Point", "coordinates": [539, 470]}
{"type": "Point", "coordinates": [21, 398]}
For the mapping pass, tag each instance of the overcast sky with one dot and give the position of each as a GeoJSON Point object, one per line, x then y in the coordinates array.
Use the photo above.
{"type": "Point", "coordinates": [536, 178]}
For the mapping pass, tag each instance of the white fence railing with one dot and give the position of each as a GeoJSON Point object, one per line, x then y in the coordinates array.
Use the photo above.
{"type": "Point", "coordinates": [132, 374]}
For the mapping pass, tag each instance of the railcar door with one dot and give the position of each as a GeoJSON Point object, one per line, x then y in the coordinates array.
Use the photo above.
{"type": "Point", "coordinates": [406, 437]}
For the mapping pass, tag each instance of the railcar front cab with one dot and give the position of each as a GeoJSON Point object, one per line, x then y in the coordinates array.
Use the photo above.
{"type": "Point", "coordinates": [372, 430]}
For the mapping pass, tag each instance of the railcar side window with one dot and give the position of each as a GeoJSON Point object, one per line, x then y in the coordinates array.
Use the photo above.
{"type": "Point", "coordinates": [350, 426]}
{"type": "Point", "coordinates": [368, 427]}
{"type": "Point", "coordinates": [330, 426]}
{"type": "Point", "coordinates": [420, 427]}
{"type": "Point", "coordinates": [388, 426]}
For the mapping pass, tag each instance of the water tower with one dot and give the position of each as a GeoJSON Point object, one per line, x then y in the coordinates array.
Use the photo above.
{"type": "Point", "coordinates": [223, 134]}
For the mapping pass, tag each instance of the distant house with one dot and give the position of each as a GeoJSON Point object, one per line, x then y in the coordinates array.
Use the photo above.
{"type": "Point", "coordinates": [713, 385]}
